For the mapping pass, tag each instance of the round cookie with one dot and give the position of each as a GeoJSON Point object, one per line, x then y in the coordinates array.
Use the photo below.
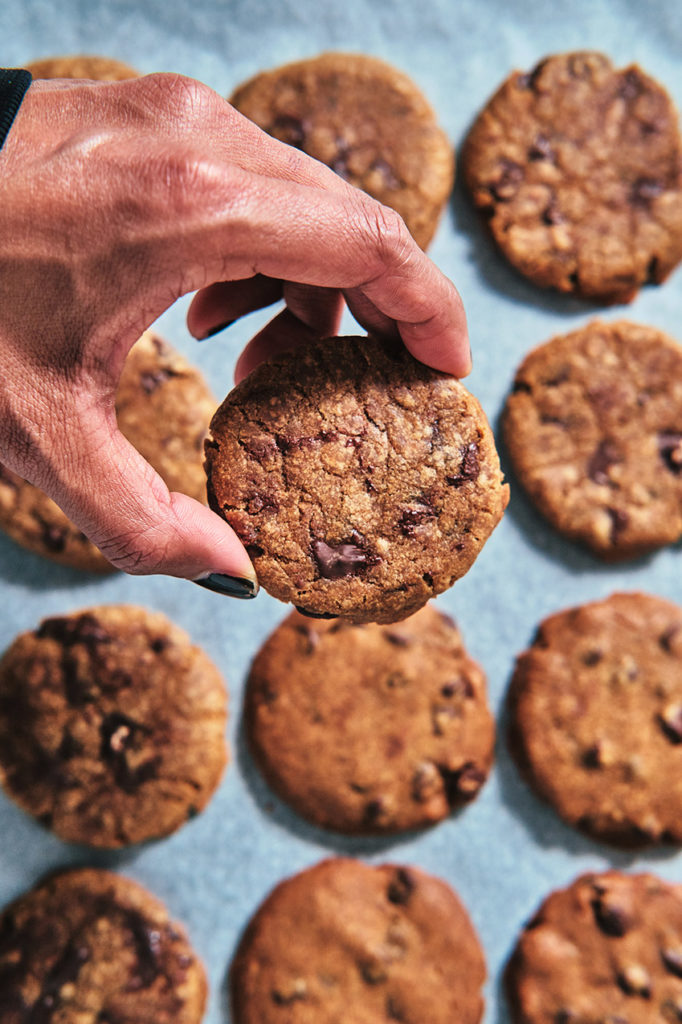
{"type": "Point", "coordinates": [370, 728]}
{"type": "Point", "coordinates": [89, 945]}
{"type": "Point", "coordinates": [112, 725]}
{"type": "Point", "coordinates": [163, 407]}
{"type": "Point", "coordinates": [606, 950]}
{"type": "Point", "coordinates": [346, 941]}
{"type": "Point", "coordinates": [361, 481]}
{"type": "Point", "coordinates": [596, 718]}
{"type": "Point", "coordinates": [577, 168]}
{"type": "Point", "coordinates": [98, 69]}
{"type": "Point", "coordinates": [594, 431]}
{"type": "Point", "coordinates": [365, 120]}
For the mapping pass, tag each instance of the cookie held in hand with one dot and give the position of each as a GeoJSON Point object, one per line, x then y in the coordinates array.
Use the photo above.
{"type": "Point", "coordinates": [361, 481]}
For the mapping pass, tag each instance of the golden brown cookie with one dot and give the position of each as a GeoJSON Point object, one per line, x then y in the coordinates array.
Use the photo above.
{"type": "Point", "coordinates": [577, 168]}
{"type": "Point", "coordinates": [163, 407]}
{"type": "Point", "coordinates": [89, 945]}
{"type": "Point", "coordinates": [370, 728]}
{"type": "Point", "coordinates": [343, 941]}
{"type": "Point", "coordinates": [596, 718]}
{"type": "Point", "coordinates": [367, 121]}
{"type": "Point", "coordinates": [99, 69]}
{"type": "Point", "coordinates": [112, 725]}
{"type": "Point", "coordinates": [361, 481]}
{"type": "Point", "coordinates": [594, 431]}
{"type": "Point", "coordinates": [606, 950]}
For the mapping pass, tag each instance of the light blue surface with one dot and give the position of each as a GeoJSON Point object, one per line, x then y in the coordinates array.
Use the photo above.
{"type": "Point", "coordinates": [506, 851]}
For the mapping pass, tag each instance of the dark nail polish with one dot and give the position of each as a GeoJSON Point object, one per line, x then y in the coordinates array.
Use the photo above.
{"type": "Point", "coordinates": [231, 586]}
{"type": "Point", "coordinates": [217, 330]}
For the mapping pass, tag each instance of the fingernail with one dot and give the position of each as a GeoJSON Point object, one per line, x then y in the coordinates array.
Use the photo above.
{"type": "Point", "coordinates": [315, 615]}
{"type": "Point", "coordinates": [230, 586]}
{"type": "Point", "coordinates": [217, 330]}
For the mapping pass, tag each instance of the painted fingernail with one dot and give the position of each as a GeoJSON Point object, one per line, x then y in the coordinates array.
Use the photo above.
{"type": "Point", "coordinates": [217, 330]}
{"type": "Point", "coordinates": [230, 586]}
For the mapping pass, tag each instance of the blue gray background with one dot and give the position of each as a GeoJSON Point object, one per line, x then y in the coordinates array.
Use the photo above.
{"type": "Point", "coordinates": [506, 851]}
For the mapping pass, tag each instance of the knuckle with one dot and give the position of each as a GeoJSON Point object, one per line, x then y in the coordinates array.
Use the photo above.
{"type": "Point", "coordinates": [389, 241]}
{"type": "Point", "coordinates": [179, 98]}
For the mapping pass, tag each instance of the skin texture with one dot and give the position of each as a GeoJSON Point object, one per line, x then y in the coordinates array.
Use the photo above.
{"type": "Point", "coordinates": [91, 946]}
{"type": "Point", "coordinates": [370, 729]}
{"type": "Point", "coordinates": [112, 725]}
{"type": "Point", "coordinates": [361, 481]}
{"type": "Point", "coordinates": [345, 942]}
{"type": "Point", "coordinates": [606, 950]}
{"type": "Point", "coordinates": [576, 167]}
{"type": "Point", "coordinates": [367, 121]}
{"type": "Point", "coordinates": [117, 198]}
{"type": "Point", "coordinates": [594, 430]}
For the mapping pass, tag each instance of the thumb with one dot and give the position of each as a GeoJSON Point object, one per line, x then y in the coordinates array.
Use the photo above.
{"type": "Point", "coordinates": [124, 507]}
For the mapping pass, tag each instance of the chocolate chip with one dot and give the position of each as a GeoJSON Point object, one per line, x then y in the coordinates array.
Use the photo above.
{"type": "Point", "coordinates": [386, 172]}
{"type": "Point", "coordinates": [335, 561]}
{"type": "Point", "coordinates": [339, 164]}
{"type": "Point", "coordinates": [118, 734]}
{"type": "Point", "coordinates": [160, 644]}
{"type": "Point", "coordinates": [469, 468]}
{"type": "Point", "coordinates": [565, 1017]}
{"type": "Point", "coordinates": [529, 80]}
{"type": "Point", "coordinates": [69, 747]}
{"type": "Point", "coordinates": [296, 989]}
{"type": "Point", "coordinates": [397, 639]}
{"type": "Point", "coordinates": [631, 85]}
{"type": "Point", "coordinates": [508, 180]}
{"type": "Point", "coordinates": [394, 1010]}
{"type": "Point", "coordinates": [670, 450]}
{"type": "Point", "coordinates": [412, 518]}
{"type": "Point", "coordinates": [290, 129]}
{"type": "Point", "coordinates": [65, 971]}
{"type": "Point", "coordinates": [151, 380]}
{"type": "Point", "coordinates": [53, 537]}
{"type": "Point", "coordinates": [426, 782]}
{"type": "Point", "coordinates": [605, 455]}
{"type": "Point", "coordinates": [593, 657]}
{"type": "Point", "coordinates": [442, 716]}
{"type": "Point", "coordinates": [465, 782]}
{"type": "Point", "coordinates": [666, 638]}
{"type": "Point", "coordinates": [591, 757]}
{"type": "Point", "coordinates": [670, 721]}
{"type": "Point", "coordinates": [645, 190]}
{"type": "Point", "coordinates": [147, 941]}
{"type": "Point", "coordinates": [541, 149]}
{"type": "Point", "coordinates": [619, 521]}
{"type": "Point", "coordinates": [85, 629]}
{"type": "Point", "coordinates": [611, 919]}
{"type": "Point", "coordinates": [635, 981]}
{"type": "Point", "coordinates": [457, 688]}
{"type": "Point", "coordinates": [522, 387]}
{"type": "Point", "coordinates": [552, 215]}
{"type": "Point", "coordinates": [672, 958]}
{"type": "Point", "coordinates": [374, 810]}
{"type": "Point", "coordinates": [372, 972]}
{"type": "Point", "coordinates": [401, 887]}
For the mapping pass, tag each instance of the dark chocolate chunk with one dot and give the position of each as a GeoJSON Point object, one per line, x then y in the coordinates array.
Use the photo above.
{"type": "Point", "coordinates": [508, 181]}
{"type": "Point", "coordinates": [401, 887]}
{"type": "Point", "coordinates": [334, 561]}
{"type": "Point", "coordinates": [147, 942]}
{"type": "Point", "coordinates": [54, 537]}
{"type": "Point", "coordinates": [412, 518]}
{"type": "Point", "coordinates": [672, 958]}
{"type": "Point", "coordinates": [541, 148]}
{"type": "Point", "coordinates": [386, 172]}
{"type": "Point", "coordinates": [119, 735]}
{"type": "Point", "coordinates": [671, 722]}
{"type": "Point", "coordinates": [469, 467]}
{"type": "Point", "coordinates": [670, 449]}
{"type": "Point", "coordinates": [611, 919]}
{"type": "Point", "coordinates": [645, 190]}
{"type": "Point", "coordinates": [151, 380]}
{"type": "Point", "coordinates": [605, 455]}
{"type": "Point", "coordinates": [619, 521]}
{"type": "Point", "coordinates": [85, 629]}
{"type": "Point", "coordinates": [290, 129]}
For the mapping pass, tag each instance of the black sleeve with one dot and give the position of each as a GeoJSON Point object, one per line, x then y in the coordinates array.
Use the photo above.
{"type": "Point", "coordinates": [13, 85]}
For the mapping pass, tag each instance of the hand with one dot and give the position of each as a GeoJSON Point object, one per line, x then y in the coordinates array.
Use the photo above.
{"type": "Point", "coordinates": [116, 199]}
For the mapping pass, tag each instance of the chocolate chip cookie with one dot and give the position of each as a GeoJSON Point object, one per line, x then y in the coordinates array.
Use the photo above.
{"type": "Point", "coordinates": [98, 69]}
{"type": "Point", "coordinates": [596, 718]}
{"type": "Point", "coordinates": [163, 407]}
{"type": "Point", "coordinates": [89, 945]}
{"type": "Point", "coordinates": [577, 168]}
{"type": "Point", "coordinates": [345, 941]}
{"type": "Point", "coordinates": [112, 725]}
{"type": "Point", "coordinates": [367, 121]}
{"type": "Point", "coordinates": [370, 728]}
{"type": "Point", "coordinates": [361, 481]}
{"type": "Point", "coordinates": [594, 430]}
{"type": "Point", "coordinates": [606, 950]}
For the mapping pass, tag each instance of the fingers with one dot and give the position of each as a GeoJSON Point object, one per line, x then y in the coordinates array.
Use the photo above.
{"type": "Point", "coordinates": [136, 522]}
{"type": "Point", "coordinates": [221, 304]}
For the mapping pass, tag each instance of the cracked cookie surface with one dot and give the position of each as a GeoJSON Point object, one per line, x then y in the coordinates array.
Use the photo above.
{"type": "Point", "coordinates": [361, 481]}
{"type": "Point", "coordinates": [89, 946]}
{"type": "Point", "coordinates": [346, 941]}
{"type": "Point", "coordinates": [577, 168]}
{"type": "Point", "coordinates": [112, 725]}
{"type": "Point", "coordinates": [365, 120]}
{"type": "Point", "coordinates": [594, 431]}
{"type": "Point", "coordinates": [596, 718]}
{"type": "Point", "coordinates": [163, 407]}
{"type": "Point", "coordinates": [370, 729]}
{"type": "Point", "coordinates": [97, 69]}
{"type": "Point", "coordinates": [606, 950]}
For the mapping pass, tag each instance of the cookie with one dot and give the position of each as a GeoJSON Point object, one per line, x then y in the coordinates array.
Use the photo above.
{"type": "Point", "coordinates": [163, 407]}
{"type": "Point", "coordinates": [577, 169]}
{"type": "Point", "coordinates": [346, 941]}
{"type": "Point", "coordinates": [596, 718]}
{"type": "Point", "coordinates": [89, 945]}
{"type": "Point", "coordinates": [98, 69]}
{"type": "Point", "coordinates": [361, 481]}
{"type": "Point", "coordinates": [367, 121]}
{"type": "Point", "coordinates": [606, 950]}
{"type": "Point", "coordinates": [594, 431]}
{"type": "Point", "coordinates": [112, 725]}
{"type": "Point", "coordinates": [369, 729]}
